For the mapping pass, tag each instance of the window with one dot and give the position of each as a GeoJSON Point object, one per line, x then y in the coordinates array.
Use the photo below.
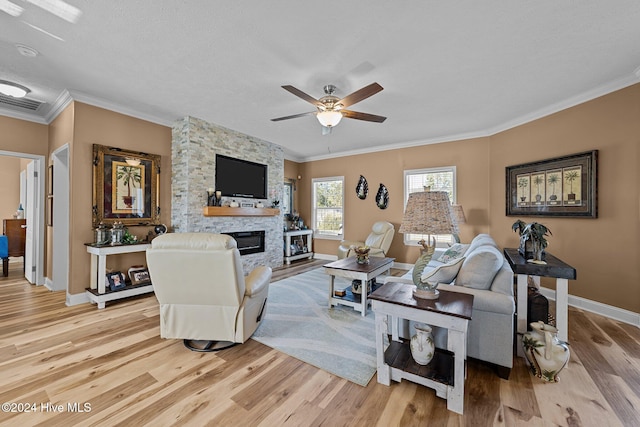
{"type": "Point", "coordinates": [327, 207]}
{"type": "Point", "coordinates": [433, 179]}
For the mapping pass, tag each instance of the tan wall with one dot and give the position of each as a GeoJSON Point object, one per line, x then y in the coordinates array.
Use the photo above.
{"type": "Point", "coordinates": [60, 133]}
{"type": "Point", "coordinates": [604, 250]}
{"type": "Point", "coordinates": [9, 186]}
{"type": "Point", "coordinates": [291, 172]}
{"type": "Point", "coordinates": [388, 168]}
{"type": "Point", "coordinates": [93, 125]}
{"type": "Point", "coordinates": [20, 136]}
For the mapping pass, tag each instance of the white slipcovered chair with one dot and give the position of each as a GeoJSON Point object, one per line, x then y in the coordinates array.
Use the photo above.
{"type": "Point", "coordinates": [379, 241]}
{"type": "Point", "coordinates": [203, 293]}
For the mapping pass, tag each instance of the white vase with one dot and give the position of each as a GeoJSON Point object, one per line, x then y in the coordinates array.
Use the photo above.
{"type": "Point", "coordinates": [546, 354]}
{"type": "Point", "coordinates": [422, 346]}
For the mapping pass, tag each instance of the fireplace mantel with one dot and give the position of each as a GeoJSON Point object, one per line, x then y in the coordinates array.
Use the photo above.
{"type": "Point", "coordinates": [228, 211]}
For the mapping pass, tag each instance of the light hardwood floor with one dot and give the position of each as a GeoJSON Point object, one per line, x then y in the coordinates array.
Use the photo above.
{"type": "Point", "coordinates": [114, 361]}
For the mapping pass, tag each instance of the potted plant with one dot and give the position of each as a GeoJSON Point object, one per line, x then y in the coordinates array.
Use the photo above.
{"type": "Point", "coordinates": [532, 239]}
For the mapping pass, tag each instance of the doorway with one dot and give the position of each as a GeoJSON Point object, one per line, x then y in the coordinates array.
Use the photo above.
{"type": "Point", "coordinates": [36, 222]}
{"type": "Point", "coordinates": [61, 221]}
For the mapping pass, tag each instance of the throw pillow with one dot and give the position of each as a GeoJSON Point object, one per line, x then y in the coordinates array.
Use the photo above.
{"type": "Point", "coordinates": [444, 273]}
{"type": "Point", "coordinates": [480, 267]}
{"type": "Point", "coordinates": [456, 251]}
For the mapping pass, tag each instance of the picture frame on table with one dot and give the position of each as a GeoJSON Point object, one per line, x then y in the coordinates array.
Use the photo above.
{"type": "Point", "coordinates": [559, 187]}
{"type": "Point", "coordinates": [140, 277]}
{"type": "Point", "coordinates": [126, 186]}
{"type": "Point", "coordinates": [116, 281]}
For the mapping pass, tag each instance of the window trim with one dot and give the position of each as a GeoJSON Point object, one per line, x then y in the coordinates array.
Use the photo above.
{"type": "Point", "coordinates": [440, 242]}
{"type": "Point", "coordinates": [316, 234]}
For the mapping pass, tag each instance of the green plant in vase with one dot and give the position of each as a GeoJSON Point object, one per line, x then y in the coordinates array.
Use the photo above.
{"type": "Point", "coordinates": [532, 239]}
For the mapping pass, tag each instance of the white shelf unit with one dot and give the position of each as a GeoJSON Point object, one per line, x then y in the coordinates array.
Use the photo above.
{"type": "Point", "coordinates": [306, 247]}
{"type": "Point", "coordinates": [97, 292]}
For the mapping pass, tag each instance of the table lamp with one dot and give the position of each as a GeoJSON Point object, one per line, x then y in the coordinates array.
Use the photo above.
{"type": "Point", "coordinates": [427, 213]}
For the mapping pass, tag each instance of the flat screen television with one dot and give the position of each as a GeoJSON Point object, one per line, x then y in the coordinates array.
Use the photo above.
{"type": "Point", "coordinates": [240, 178]}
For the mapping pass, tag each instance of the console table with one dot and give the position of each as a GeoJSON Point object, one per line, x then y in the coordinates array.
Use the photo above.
{"type": "Point", "coordinates": [305, 251]}
{"type": "Point", "coordinates": [553, 268]}
{"type": "Point", "coordinates": [445, 373]}
{"type": "Point", "coordinates": [97, 293]}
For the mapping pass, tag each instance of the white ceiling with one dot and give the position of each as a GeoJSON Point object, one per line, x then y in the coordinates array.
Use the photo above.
{"type": "Point", "coordinates": [450, 69]}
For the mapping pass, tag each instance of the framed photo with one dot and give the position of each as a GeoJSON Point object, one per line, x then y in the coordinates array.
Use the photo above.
{"type": "Point", "coordinates": [125, 186]}
{"type": "Point", "coordinates": [563, 186]}
{"type": "Point", "coordinates": [116, 281]}
{"type": "Point", "coordinates": [49, 211]}
{"type": "Point", "coordinates": [50, 180]}
{"type": "Point", "coordinates": [140, 277]}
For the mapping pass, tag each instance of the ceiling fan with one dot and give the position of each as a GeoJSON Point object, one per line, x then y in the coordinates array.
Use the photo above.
{"type": "Point", "coordinates": [331, 109]}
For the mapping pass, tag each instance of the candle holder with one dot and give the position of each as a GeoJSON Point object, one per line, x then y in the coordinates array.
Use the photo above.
{"type": "Point", "coordinates": [211, 198]}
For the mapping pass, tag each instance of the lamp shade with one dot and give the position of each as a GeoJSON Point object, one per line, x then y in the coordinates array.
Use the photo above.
{"type": "Point", "coordinates": [428, 212]}
{"type": "Point", "coordinates": [329, 118]}
{"type": "Point", "coordinates": [458, 214]}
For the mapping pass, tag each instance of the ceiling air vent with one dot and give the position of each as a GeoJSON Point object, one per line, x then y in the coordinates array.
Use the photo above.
{"type": "Point", "coordinates": [24, 103]}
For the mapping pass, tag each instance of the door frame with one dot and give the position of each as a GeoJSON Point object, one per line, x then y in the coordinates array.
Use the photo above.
{"type": "Point", "coordinates": [60, 244]}
{"type": "Point", "coordinates": [39, 167]}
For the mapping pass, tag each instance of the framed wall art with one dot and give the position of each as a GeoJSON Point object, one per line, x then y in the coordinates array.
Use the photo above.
{"type": "Point", "coordinates": [126, 186]}
{"type": "Point", "coordinates": [563, 186]}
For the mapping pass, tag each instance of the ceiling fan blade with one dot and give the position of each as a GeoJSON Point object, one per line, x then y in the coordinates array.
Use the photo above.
{"type": "Point", "coordinates": [360, 94]}
{"type": "Point", "coordinates": [363, 116]}
{"type": "Point", "coordinates": [294, 116]}
{"type": "Point", "coordinates": [297, 92]}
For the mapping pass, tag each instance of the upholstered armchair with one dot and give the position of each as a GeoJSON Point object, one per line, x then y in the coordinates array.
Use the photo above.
{"type": "Point", "coordinates": [379, 241]}
{"type": "Point", "coordinates": [203, 293]}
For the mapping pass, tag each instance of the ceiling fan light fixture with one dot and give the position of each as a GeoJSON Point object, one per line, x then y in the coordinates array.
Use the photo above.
{"type": "Point", "coordinates": [329, 118]}
{"type": "Point", "coordinates": [13, 89]}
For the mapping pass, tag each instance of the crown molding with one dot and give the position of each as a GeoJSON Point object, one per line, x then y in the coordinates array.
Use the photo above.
{"type": "Point", "coordinates": [22, 116]}
{"type": "Point", "coordinates": [589, 95]}
{"type": "Point", "coordinates": [112, 106]}
{"type": "Point", "coordinates": [63, 100]}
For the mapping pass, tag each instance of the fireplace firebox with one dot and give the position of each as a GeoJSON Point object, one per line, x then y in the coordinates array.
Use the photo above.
{"type": "Point", "coordinates": [249, 242]}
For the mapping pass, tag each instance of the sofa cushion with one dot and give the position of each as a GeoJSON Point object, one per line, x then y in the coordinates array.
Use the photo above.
{"type": "Point", "coordinates": [481, 240]}
{"type": "Point", "coordinates": [444, 273]}
{"type": "Point", "coordinates": [456, 251]}
{"type": "Point", "coordinates": [480, 267]}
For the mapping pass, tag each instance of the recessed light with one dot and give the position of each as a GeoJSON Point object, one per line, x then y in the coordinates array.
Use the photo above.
{"type": "Point", "coordinates": [13, 89]}
{"type": "Point", "coordinates": [27, 51]}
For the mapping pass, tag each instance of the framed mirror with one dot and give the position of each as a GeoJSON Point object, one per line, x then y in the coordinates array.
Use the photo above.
{"type": "Point", "coordinates": [126, 186]}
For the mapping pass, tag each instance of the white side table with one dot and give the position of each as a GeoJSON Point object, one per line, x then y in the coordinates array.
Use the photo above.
{"type": "Point", "coordinates": [446, 371]}
{"type": "Point", "coordinates": [97, 292]}
{"type": "Point", "coordinates": [305, 251]}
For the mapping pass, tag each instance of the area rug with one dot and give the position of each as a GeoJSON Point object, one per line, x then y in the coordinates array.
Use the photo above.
{"type": "Point", "coordinates": [300, 323]}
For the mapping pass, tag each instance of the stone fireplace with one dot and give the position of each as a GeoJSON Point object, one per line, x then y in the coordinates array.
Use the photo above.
{"type": "Point", "coordinates": [195, 144]}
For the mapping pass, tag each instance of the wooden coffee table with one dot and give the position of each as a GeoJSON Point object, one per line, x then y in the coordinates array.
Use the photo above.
{"type": "Point", "coordinates": [350, 269]}
{"type": "Point", "coordinates": [446, 371]}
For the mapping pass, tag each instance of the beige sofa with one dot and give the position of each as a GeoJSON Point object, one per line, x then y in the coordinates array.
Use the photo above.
{"type": "Point", "coordinates": [485, 274]}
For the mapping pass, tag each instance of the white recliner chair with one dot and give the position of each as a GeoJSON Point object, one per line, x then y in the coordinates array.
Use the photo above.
{"type": "Point", "coordinates": [379, 241]}
{"type": "Point", "coordinates": [204, 297]}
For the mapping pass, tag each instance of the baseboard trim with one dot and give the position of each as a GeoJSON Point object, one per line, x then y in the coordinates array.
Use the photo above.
{"type": "Point", "coordinates": [76, 299]}
{"type": "Point", "coordinates": [605, 310]}
{"type": "Point", "coordinates": [48, 283]}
